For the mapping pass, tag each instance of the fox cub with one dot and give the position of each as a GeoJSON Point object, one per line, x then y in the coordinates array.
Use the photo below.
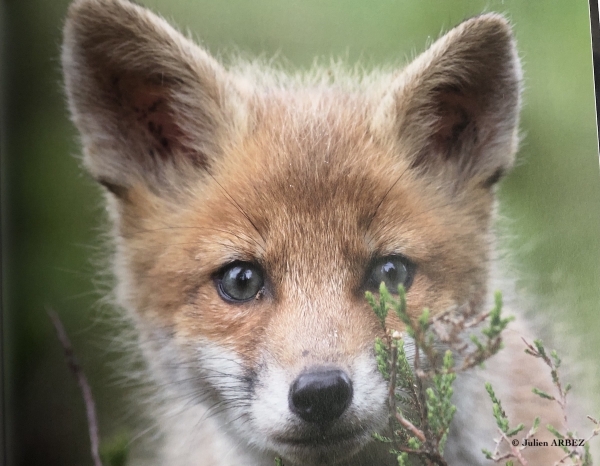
{"type": "Point", "coordinates": [252, 209]}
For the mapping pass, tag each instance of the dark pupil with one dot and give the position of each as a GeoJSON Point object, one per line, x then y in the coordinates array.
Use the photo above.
{"type": "Point", "coordinates": [240, 283]}
{"type": "Point", "coordinates": [392, 273]}
{"type": "Point", "coordinates": [389, 272]}
{"type": "Point", "coordinates": [241, 276]}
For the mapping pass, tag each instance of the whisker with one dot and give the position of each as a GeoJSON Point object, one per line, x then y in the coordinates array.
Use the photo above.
{"type": "Point", "coordinates": [385, 196]}
{"type": "Point", "coordinates": [238, 207]}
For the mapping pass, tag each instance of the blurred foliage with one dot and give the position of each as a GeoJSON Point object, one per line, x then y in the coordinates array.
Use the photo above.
{"type": "Point", "coordinates": [114, 451]}
{"type": "Point", "coordinates": [52, 212]}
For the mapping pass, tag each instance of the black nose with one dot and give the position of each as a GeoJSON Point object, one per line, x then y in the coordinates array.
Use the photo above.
{"type": "Point", "coordinates": [321, 395]}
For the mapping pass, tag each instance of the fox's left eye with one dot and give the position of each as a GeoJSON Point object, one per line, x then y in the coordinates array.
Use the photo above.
{"type": "Point", "coordinates": [391, 270]}
{"type": "Point", "coordinates": [239, 282]}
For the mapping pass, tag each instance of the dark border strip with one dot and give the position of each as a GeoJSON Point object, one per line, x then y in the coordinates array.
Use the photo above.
{"type": "Point", "coordinates": [595, 30]}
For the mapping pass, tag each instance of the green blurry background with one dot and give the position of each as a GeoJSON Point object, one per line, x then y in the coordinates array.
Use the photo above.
{"type": "Point", "coordinates": [52, 212]}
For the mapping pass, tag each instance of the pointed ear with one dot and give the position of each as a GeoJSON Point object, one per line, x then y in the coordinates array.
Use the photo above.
{"type": "Point", "coordinates": [454, 110]}
{"type": "Point", "coordinates": [147, 101]}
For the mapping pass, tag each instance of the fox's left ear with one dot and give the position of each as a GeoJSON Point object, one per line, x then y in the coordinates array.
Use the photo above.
{"type": "Point", "coordinates": [454, 110]}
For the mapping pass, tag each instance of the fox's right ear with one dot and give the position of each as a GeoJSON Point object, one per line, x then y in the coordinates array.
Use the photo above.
{"type": "Point", "coordinates": [148, 102]}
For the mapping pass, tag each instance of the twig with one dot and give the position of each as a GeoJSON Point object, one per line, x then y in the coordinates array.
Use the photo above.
{"type": "Point", "coordinates": [392, 385]}
{"type": "Point", "coordinates": [76, 370]}
{"type": "Point", "coordinates": [515, 451]}
{"type": "Point", "coordinates": [410, 427]}
{"type": "Point", "coordinates": [595, 432]}
{"type": "Point", "coordinates": [437, 459]}
{"type": "Point", "coordinates": [562, 402]}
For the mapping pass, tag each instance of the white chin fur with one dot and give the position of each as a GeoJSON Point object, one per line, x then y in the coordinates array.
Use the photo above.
{"type": "Point", "coordinates": [275, 427]}
{"type": "Point", "coordinates": [215, 398]}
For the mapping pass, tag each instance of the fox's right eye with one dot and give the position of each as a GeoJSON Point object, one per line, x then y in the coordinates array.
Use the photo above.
{"type": "Point", "coordinates": [392, 270]}
{"type": "Point", "coordinates": [239, 282]}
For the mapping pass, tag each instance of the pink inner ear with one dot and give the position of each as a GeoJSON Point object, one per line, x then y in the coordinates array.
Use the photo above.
{"type": "Point", "coordinates": [147, 110]}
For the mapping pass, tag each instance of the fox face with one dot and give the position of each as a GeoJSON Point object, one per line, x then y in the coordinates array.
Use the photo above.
{"type": "Point", "coordinates": [253, 210]}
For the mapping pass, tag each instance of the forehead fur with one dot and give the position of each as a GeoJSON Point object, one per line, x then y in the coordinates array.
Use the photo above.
{"type": "Point", "coordinates": [311, 189]}
{"type": "Point", "coordinates": [311, 197]}
{"type": "Point", "coordinates": [309, 175]}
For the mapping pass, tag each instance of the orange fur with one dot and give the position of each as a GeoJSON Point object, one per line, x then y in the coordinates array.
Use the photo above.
{"type": "Point", "coordinates": [310, 178]}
